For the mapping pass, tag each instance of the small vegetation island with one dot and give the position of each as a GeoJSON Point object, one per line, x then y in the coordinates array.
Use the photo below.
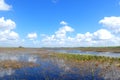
{"type": "Point", "coordinates": [20, 47]}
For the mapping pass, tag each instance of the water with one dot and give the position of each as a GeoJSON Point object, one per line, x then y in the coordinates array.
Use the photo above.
{"type": "Point", "coordinates": [107, 54]}
{"type": "Point", "coordinates": [56, 69]}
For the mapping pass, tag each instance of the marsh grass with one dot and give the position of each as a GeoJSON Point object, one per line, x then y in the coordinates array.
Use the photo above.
{"type": "Point", "coordinates": [78, 57]}
{"type": "Point", "coordinates": [115, 49]}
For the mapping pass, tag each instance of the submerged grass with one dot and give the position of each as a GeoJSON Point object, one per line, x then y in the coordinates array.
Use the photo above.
{"type": "Point", "coordinates": [16, 64]}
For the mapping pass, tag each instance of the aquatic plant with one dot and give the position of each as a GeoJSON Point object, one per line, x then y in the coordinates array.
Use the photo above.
{"type": "Point", "coordinates": [78, 57]}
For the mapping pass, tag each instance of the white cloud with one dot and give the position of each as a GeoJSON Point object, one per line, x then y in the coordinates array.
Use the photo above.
{"type": "Point", "coordinates": [61, 33]}
{"type": "Point", "coordinates": [32, 36]}
{"type": "Point", "coordinates": [8, 35]}
{"type": "Point", "coordinates": [84, 37]}
{"type": "Point", "coordinates": [96, 37]}
{"type": "Point", "coordinates": [101, 37]}
{"type": "Point", "coordinates": [6, 24]}
{"type": "Point", "coordinates": [112, 23]}
{"type": "Point", "coordinates": [14, 35]}
{"type": "Point", "coordinates": [102, 34]}
{"type": "Point", "coordinates": [63, 23]}
{"type": "Point", "coordinates": [4, 6]}
{"type": "Point", "coordinates": [60, 36]}
{"type": "Point", "coordinates": [6, 30]}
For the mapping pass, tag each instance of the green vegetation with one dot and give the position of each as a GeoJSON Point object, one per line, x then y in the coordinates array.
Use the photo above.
{"type": "Point", "coordinates": [100, 49]}
{"type": "Point", "coordinates": [78, 57]}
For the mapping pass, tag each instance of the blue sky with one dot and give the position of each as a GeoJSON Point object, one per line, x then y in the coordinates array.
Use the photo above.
{"type": "Point", "coordinates": [59, 23]}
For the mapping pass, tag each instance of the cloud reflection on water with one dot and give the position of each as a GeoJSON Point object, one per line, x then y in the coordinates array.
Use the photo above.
{"type": "Point", "coordinates": [6, 72]}
{"type": "Point", "coordinates": [19, 57]}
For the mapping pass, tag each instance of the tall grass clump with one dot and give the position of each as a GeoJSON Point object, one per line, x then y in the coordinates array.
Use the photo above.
{"type": "Point", "coordinates": [78, 57]}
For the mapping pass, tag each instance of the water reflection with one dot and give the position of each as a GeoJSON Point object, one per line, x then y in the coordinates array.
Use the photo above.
{"type": "Point", "coordinates": [56, 69]}
{"type": "Point", "coordinates": [62, 65]}
{"type": "Point", "coordinates": [112, 74]}
{"type": "Point", "coordinates": [18, 57]}
{"type": "Point", "coordinates": [8, 72]}
{"type": "Point", "coordinates": [71, 71]}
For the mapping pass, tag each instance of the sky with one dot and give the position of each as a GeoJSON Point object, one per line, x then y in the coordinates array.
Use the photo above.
{"type": "Point", "coordinates": [59, 23]}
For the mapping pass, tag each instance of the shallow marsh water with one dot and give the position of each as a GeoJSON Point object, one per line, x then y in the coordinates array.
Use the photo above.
{"type": "Point", "coordinates": [53, 68]}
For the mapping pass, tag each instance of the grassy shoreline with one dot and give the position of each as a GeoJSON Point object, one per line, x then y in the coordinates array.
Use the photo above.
{"type": "Point", "coordinates": [100, 49]}
{"type": "Point", "coordinates": [115, 49]}
{"type": "Point", "coordinates": [78, 57]}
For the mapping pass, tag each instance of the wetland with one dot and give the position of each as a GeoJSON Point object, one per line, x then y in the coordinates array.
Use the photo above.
{"type": "Point", "coordinates": [58, 64]}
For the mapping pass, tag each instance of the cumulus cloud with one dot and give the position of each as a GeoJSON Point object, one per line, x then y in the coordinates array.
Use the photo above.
{"type": "Point", "coordinates": [32, 36]}
{"type": "Point", "coordinates": [102, 34]}
{"type": "Point", "coordinates": [101, 37]}
{"type": "Point", "coordinates": [4, 6]}
{"type": "Point", "coordinates": [60, 35]}
{"type": "Point", "coordinates": [63, 23]}
{"type": "Point", "coordinates": [6, 30]}
{"type": "Point", "coordinates": [84, 37]}
{"type": "Point", "coordinates": [112, 23]}
{"type": "Point", "coordinates": [8, 35]}
{"type": "Point", "coordinates": [6, 24]}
